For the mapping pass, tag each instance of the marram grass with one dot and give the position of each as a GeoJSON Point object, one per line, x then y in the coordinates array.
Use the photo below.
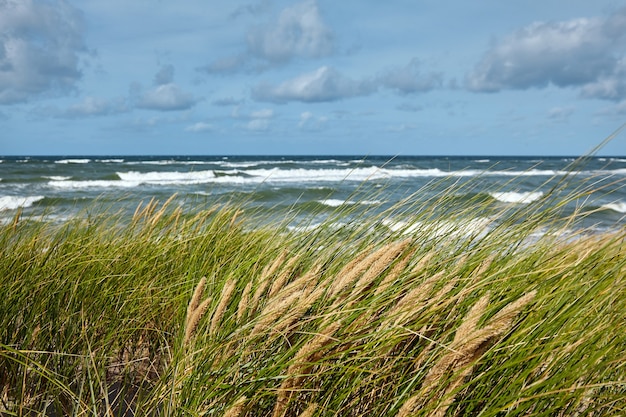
{"type": "Point", "coordinates": [168, 313]}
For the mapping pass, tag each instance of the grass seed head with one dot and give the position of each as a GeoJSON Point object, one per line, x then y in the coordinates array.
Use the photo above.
{"type": "Point", "coordinates": [195, 298]}
{"type": "Point", "coordinates": [193, 321]}
{"type": "Point", "coordinates": [227, 293]}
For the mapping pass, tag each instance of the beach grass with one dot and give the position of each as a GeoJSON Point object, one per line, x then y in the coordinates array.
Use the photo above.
{"type": "Point", "coordinates": [219, 313]}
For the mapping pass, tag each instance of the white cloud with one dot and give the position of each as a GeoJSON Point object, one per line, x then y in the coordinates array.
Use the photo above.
{"type": "Point", "coordinates": [262, 114]}
{"type": "Point", "coordinates": [324, 84]}
{"type": "Point", "coordinates": [41, 44]}
{"type": "Point", "coordinates": [166, 97]}
{"type": "Point", "coordinates": [410, 79]}
{"type": "Point", "coordinates": [260, 120]}
{"type": "Point", "coordinates": [93, 106]}
{"type": "Point", "coordinates": [258, 125]}
{"type": "Point", "coordinates": [199, 127]}
{"type": "Point", "coordinates": [299, 31]}
{"type": "Point", "coordinates": [586, 52]}
{"type": "Point", "coordinates": [308, 121]}
{"type": "Point", "coordinates": [609, 86]}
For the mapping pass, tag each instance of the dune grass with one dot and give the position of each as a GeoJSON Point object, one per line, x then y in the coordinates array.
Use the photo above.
{"type": "Point", "coordinates": [211, 314]}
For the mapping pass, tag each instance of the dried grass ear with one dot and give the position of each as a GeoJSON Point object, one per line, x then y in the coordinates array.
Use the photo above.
{"type": "Point", "coordinates": [195, 310]}
{"type": "Point", "coordinates": [195, 299]}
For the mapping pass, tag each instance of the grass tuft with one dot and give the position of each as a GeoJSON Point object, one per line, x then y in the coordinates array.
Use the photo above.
{"type": "Point", "coordinates": [441, 315]}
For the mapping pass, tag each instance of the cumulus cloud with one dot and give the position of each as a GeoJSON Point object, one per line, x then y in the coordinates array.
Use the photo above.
{"type": "Point", "coordinates": [324, 84]}
{"type": "Point", "coordinates": [586, 53]}
{"type": "Point", "coordinates": [260, 120]}
{"type": "Point", "coordinates": [308, 121]}
{"type": "Point", "coordinates": [258, 125]}
{"type": "Point", "coordinates": [165, 95]}
{"type": "Point", "coordinates": [410, 79]}
{"type": "Point", "coordinates": [41, 45]}
{"type": "Point", "coordinates": [609, 86]}
{"type": "Point", "coordinates": [299, 31]}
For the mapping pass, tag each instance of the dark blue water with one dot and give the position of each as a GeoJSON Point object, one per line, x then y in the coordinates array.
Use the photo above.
{"type": "Point", "coordinates": [58, 188]}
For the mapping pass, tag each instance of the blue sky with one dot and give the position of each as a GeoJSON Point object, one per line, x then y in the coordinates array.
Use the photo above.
{"type": "Point", "coordinates": [365, 77]}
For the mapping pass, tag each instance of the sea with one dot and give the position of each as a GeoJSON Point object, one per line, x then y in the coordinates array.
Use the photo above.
{"type": "Point", "coordinates": [304, 191]}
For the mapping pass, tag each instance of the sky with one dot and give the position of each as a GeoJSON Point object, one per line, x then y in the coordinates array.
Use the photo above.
{"type": "Point", "coordinates": [366, 77]}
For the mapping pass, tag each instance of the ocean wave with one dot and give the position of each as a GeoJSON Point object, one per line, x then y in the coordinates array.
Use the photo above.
{"type": "Point", "coordinates": [167, 162]}
{"type": "Point", "coordinates": [332, 202]}
{"type": "Point", "coordinates": [15, 202]}
{"type": "Point", "coordinates": [167, 177]}
{"type": "Point", "coordinates": [73, 161]}
{"type": "Point", "coordinates": [618, 206]}
{"type": "Point", "coordinates": [57, 177]}
{"type": "Point", "coordinates": [110, 161]}
{"type": "Point", "coordinates": [282, 176]}
{"type": "Point", "coordinates": [77, 185]}
{"type": "Point", "coordinates": [517, 197]}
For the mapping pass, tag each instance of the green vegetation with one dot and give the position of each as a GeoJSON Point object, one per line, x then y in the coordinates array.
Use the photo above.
{"type": "Point", "coordinates": [219, 314]}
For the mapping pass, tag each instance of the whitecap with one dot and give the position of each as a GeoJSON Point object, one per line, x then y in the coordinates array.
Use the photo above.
{"type": "Point", "coordinates": [517, 197]}
{"type": "Point", "coordinates": [73, 161]}
{"type": "Point", "coordinates": [57, 177]}
{"type": "Point", "coordinates": [618, 206]}
{"type": "Point", "coordinates": [77, 185]}
{"type": "Point", "coordinates": [332, 202]}
{"type": "Point", "coordinates": [167, 177]}
{"type": "Point", "coordinates": [15, 202]}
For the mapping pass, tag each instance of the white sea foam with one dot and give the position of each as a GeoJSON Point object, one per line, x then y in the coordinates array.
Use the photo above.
{"type": "Point", "coordinates": [14, 202]}
{"type": "Point", "coordinates": [57, 177]}
{"type": "Point", "coordinates": [108, 161]}
{"type": "Point", "coordinates": [72, 161]}
{"type": "Point", "coordinates": [332, 202]}
{"type": "Point", "coordinates": [167, 178]}
{"type": "Point", "coordinates": [618, 206]}
{"type": "Point", "coordinates": [167, 162]}
{"type": "Point", "coordinates": [78, 185]}
{"type": "Point", "coordinates": [282, 176]}
{"type": "Point", "coordinates": [515, 197]}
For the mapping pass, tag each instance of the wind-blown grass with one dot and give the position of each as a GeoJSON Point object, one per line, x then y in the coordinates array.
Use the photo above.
{"type": "Point", "coordinates": [168, 313]}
